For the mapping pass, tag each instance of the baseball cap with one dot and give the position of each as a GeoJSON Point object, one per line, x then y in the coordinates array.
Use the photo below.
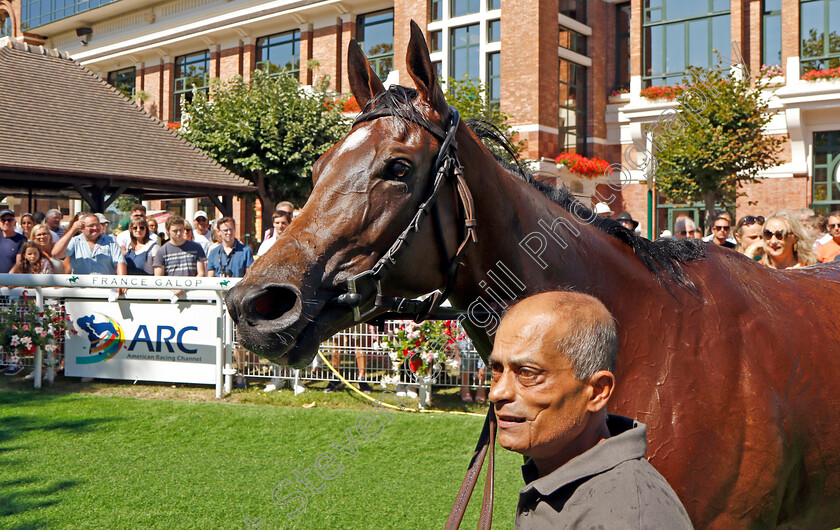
{"type": "Point", "coordinates": [102, 218]}
{"type": "Point", "coordinates": [124, 224]}
{"type": "Point", "coordinates": [200, 213]}
{"type": "Point", "coordinates": [7, 212]}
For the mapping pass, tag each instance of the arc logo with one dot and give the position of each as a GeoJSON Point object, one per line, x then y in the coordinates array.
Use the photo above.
{"type": "Point", "coordinates": [106, 337]}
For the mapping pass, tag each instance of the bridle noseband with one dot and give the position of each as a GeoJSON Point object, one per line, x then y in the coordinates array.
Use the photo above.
{"type": "Point", "coordinates": [447, 167]}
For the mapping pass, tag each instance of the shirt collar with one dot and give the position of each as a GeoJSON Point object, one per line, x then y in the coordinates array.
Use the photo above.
{"type": "Point", "coordinates": [627, 442]}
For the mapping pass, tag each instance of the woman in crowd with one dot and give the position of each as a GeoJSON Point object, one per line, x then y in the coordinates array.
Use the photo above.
{"type": "Point", "coordinates": [33, 260]}
{"type": "Point", "coordinates": [140, 254]}
{"type": "Point", "coordinates": [748, 235]}
{"type": "Point", "coordinates": [27, 223]}
{"type": "Point", "coordinates": [280, 220]}
{"type": "Point", "coordinates": [153, 230]}
{"type": "Point", "coordinates": [786, 245]}
{"type": "Point", "coordinates": [42, 237]}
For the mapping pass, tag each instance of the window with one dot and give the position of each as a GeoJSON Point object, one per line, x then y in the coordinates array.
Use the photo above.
{"type": "Point", "coordinates": [435, 43]}
{"type": "Point", "coordinates": [678, 34]}
{"type": "Point", "coordinates": [464, 52]}
{"type": "Point", "coordinates": [771, 32]}
{"type": "Point", "coordinates": [123, 80]}
{"type": "Point", "coordinates": [826, 171]}
{"type": "Point", "coordinates": [575, 9]}
{"type": "Point", "coordinates": [39, 12]}
{"type": "Point", "coordinates": [279, 52]}
{"type": "Point", "coordinates": [458, 8]}
{"type": "Point", "coordinates": [622, 46]}
{"type": "Point", "coordinates": [375, 34]}
{"type": "Point", "coordinates": [192, 72]}
{"type": "Point", "coordinates": [494, 78]}
{"type": "Point", "coordinates": [437, 10]}
{"type": "Point", "coordinates": [572, 124]}
{"type": "Point", "coordinates": [572, 40]}
{"type": "Point", "coordinates": [820, 45]}
{"type": "Point", "coordinates": [494, 31]}
{"type": "Point", "coordinates": [494, 4]}
{"type": "Point", "coordinates": [5, 25]}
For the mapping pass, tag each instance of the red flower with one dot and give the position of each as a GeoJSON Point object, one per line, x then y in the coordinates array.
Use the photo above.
{"type": "Point", "coordinates": [415, 363]}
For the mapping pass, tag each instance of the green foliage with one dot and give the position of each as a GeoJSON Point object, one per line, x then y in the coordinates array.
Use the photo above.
{"type": "Point", "coordinates": [269, 130]}
{"type": "Point", "coordinates": [470, 98]}
{"type": "Point", "coordinates": [123, 204]}
{"type": "Point", "coordinates": [714, 142]}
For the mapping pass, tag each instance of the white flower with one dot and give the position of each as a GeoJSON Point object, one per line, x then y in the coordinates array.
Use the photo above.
{"type": "Point", "coordinates": [38, 330]}
{"type": "Point", "coordinates": [15, 340]}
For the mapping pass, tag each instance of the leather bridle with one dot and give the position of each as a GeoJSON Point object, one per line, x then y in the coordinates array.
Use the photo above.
{"type": "Point", "coordinates": [446, 168]}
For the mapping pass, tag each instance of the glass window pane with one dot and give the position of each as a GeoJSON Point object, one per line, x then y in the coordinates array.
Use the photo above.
{"type": "Point", "coordinates": [494, 4]}
{"type": "Point", "coordinates": [698, 36]}
{"type": "Point", "coordinates": [465, 52]}
{"type": "Point", "coordinates": [375, 33]}
{"type": "Point", "coordinates": [675, 9]}
{"type": "Point", "coordinates": [833, 25]}
{"type": "Point", "coordinates": [437, 10]}
{"type": "Point", "coordinates": [494, 31]}
{"type": "Point", "coordinates": [458, 8]}
{"type": "Point", "coordinates": [772, 47]}
{"type": "Point", "coordinates": [772, 5]}
{"type": "Point", "coordinates": [494, 78]}
{"type": "Point", "coordinates": [812, 27]}
{"type": "Point", "coordinates": [720, 37]}
{"type": "Point", "coordinates": [653, 50]}
{"type": "Point", "coordinates": [435, 41]}
{"type": "Point", "coordinates": [674, 48]}
{"type": "Point", "coordinates": [820, 192]}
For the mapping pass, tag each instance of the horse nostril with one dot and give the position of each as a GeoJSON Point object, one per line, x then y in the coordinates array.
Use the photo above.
{"type": "Point", "coordinates": [275, 302]}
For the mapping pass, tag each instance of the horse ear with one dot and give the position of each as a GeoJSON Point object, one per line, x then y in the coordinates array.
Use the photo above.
{"type": "Point", "coordinates": [364, 83]}
{"type": "Point", "coordinates": [419, 66]}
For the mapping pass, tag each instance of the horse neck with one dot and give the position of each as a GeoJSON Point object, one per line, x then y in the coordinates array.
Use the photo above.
{"type": "Point", "coordinates": [531, 244]}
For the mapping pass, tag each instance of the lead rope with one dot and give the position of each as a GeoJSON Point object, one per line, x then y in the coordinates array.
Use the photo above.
{"type": "Point", "coordinates": [486, 443]}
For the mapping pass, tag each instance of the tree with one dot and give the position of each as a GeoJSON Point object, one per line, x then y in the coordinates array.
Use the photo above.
{"type": "Point", "coordinates": [269, 130]}
{"type": "Point", "coordinates": [123, 204]}
{"type": "Point", "coordinates": [470, 98]}
{"type": "Point", "coordinates": [713, 143]}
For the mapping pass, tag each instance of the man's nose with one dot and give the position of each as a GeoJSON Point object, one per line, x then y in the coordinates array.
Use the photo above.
{"type": "Point", "coordinates": [501, 388]}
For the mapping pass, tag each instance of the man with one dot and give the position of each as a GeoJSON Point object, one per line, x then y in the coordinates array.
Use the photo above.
{"type": "Point", "coordinates": [730, 237]}
{"type": "Point", "coordinates": [721, 231]}
{"type": "Point", "coordinates": [124, 237]}
{"type": "Point", "coordinates": [231, 258]}
{"type": "Point", "coordinates": [603, 209]}
{"type": "Point", "coordinates": [280, 220]}
{"type": "Point", "coordinates": [684, 228]}
{"type": "Point", "coordinates": [831, 248]}
{"type": "Point", "coordinates": [284, 206]}
{"type": "Point", "coordinates": [90, 252]}
{"type": "Point", "coordinates": [626, 220]}
{"type": "Point", "coordinates": [10, 243]}
{"type": "Point", "coordinates": [201, 230]}
{"type": "Point", "coordinates": [53, 220]}
{"type": "Point", "coordinates": [106, 224]}
{"type": "Point", "coordinates": [179, 257]}
{"type": "Point", "coordinates": [552, 365]}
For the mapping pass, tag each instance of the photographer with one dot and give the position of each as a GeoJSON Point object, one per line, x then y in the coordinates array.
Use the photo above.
{"type": "Point", "coordinates": [231, 258]}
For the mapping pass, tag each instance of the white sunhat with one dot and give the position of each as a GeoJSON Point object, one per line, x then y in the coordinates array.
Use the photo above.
{"type": "Point", "coordinates": [602, 208]}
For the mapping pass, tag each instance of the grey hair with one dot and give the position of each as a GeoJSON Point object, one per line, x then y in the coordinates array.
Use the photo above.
{"type": "Point", "coordinates": [54, 211]}
{"type": "Point", "coordinates": [592, 346]}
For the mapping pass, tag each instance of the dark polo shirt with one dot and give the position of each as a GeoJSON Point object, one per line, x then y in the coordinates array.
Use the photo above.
{"type": "Point", "coordinates": [609, 486]}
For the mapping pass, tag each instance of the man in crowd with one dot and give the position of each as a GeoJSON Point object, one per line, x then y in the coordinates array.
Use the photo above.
{"type": "Point", "coordinates": [721, 231]}
{"type": "Point", "coordinates": [284, 206]}
{"type": "Point", "coordinates": [552, 365]}
{"type": "Point", "coordinates": [684, 228]}
{"type": "Point", "coordinates": [831, 248]}
{"type": "Point", "coordinates": [10, 243]}
{"type": "Point", "coordinates": [124, 237]}
{"type": "Point", "coordinates": [231, 258]}
{"type": "Point", "coordinates": [53, 220]}
{"type": "Point", "coordinates": [201, 230]}
{"type": "Point", "coordinates": [91, 251]}
{"type": "Point", "coordinates": [179, 257]}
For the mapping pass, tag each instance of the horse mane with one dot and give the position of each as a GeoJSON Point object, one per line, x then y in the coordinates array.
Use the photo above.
{"type": "Point", "coordinates": [663, 257]}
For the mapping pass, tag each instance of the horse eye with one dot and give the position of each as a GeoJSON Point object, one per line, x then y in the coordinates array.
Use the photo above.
{"type": "Point", "coordinates": [397, 170]}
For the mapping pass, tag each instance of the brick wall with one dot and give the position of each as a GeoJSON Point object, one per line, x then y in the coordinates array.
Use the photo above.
{"type": "Point", "coordinates": [230, 63]}
{"type": "Point", "coordinates": [325, 46]}
{"type": "Point", "coordinates": [305, 55]}
{"type": "Point", "coordinates": [770, 194]}
{"type": "Point", "coordinates": [790, 33]}
{"type": "Point", "coordinates": [404, 11]}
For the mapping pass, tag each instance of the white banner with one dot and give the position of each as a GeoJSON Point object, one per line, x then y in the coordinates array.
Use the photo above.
{"type": "Point", "coordinates": [148, 341]}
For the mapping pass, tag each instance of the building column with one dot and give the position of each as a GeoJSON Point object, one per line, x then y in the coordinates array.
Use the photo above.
{"type": "Point", "coordinates": [167, 78]}
{"type": "Point", "coordinates": [305, 74]}
{"type": "Point", "coordinates": [248, 60]}
{"type": "Point", "coordinates": [790, 39]}
{"type": "Point", "coordinates": [348, 31]}
{"type": "Point", "coordinates": [405, 10]}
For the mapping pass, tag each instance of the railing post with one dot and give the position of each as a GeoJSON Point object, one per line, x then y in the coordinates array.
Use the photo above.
{"type": "Point", "coordinates": [39, 354]}
{"type": "Point", "coordinates": [220, 347]}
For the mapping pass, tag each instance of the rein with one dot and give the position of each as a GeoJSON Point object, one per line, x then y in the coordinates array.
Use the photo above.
{"type": "Point", "coordinates": [447, 167]}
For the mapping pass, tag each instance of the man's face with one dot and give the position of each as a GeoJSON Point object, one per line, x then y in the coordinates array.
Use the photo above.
{"type": "Point", "coordinates": [178, 233]}
{"type": "Point", "coordinates": [280, 224]}
{"type": "Point", "coordinates": [834, 227]}
{"type": "Point", "coordinates": [53, 221]}
{"type": "Point", "coordinates": [540, 407]}
{"type": "Point", "coordinates": [137, 213]}
{"type": "Point", "coordinates": [721, 230]}
{"type": "Point", "coordinates": [7, 224]}
{"type": "Point", "coordinates": [227, 232]}
{"type": "Point", "coordinates": [687, 231]}
{"type": "Point", "coordinates": [200, 224]}
{"type": "Point", "coordinates": [750, 234]}
{"type": "Point", "coordinates": [91, 228]}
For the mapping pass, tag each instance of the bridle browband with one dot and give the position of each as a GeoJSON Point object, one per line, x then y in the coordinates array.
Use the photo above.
{"type": "Point", "coordinates": [447, 167]}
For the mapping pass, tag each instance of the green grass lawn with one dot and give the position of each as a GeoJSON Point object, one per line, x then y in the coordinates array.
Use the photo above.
{"type": "Point", "coordinates": [75, 460]}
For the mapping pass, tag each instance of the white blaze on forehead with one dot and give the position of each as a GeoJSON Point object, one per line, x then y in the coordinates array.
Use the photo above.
{"type": "Point", "coordinates": [353, 141]}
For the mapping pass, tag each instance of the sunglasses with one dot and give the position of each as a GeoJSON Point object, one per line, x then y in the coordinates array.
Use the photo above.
{"type": "Point", "coordinates": [834, 225]}
{"type": "Point", "coordinates": [138, 227]}
{"type": "Point", "coordinates": [778, 234]}
{"type": "Point", "coordinates": [7, 220]}
{"type": "Point", "coordinates": [751, 220]}
{"type": "Point", "coordinates": [720, 228]}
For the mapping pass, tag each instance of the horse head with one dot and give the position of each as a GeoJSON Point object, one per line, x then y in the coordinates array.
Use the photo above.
{"type": "Point", "coordinates": [366, 191]}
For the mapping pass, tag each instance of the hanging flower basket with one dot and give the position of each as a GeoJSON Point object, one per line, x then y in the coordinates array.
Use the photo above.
{"type": "Point", "coordinates": [582, 166]}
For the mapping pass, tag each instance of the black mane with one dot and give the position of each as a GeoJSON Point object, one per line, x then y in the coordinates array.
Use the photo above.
{"type": "Point", "coordinates": [663, 257]}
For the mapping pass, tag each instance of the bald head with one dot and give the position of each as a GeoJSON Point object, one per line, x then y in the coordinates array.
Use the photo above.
{"type": "Point", "coordinates": [580, 325]}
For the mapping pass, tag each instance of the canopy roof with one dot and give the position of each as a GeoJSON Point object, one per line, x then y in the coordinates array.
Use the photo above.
{"type": "Point", "coordinates": [68, 133]}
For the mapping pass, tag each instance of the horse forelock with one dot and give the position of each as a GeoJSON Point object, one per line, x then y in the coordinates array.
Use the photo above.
{"type": "Point", "coordinates": [402, 103]}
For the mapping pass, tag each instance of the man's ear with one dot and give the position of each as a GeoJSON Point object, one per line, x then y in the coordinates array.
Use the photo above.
{"type": "Point", "coordinates": [602, 384]}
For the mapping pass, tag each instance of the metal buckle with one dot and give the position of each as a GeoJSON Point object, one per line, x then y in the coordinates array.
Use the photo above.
{"type": "Point", "coordinates": [351, 289]}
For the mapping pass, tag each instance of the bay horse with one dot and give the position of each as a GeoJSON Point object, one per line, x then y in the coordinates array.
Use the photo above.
{"type": "Point", "coordinates": [733, 366]}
